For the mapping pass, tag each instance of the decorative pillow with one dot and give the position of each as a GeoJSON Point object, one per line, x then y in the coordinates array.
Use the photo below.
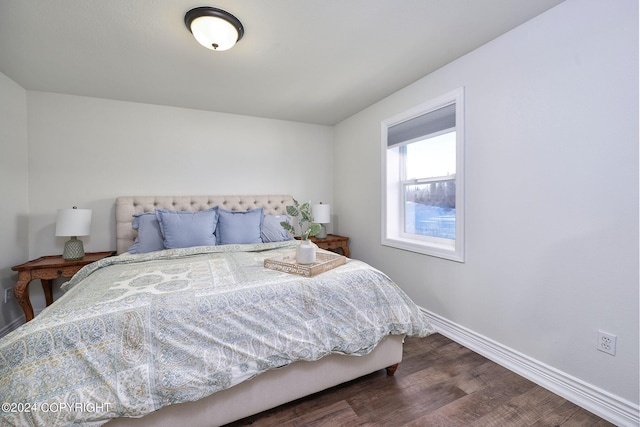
{"type": "Point", "coordinates": [239, 227]}
{"type": "Point", "coordinates": [149, 237]}
{"type": "Point", "coordinates": [183, 229]}
{"type": "Point", "coordinates": [272, 231]}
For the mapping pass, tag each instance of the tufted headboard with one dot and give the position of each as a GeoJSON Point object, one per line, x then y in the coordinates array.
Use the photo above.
{"type": "Point", "coordinates": [127, 206]}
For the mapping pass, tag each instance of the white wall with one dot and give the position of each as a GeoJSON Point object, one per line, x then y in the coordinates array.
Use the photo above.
{"type": "Point", "coordinates": [13, 192]}
{"type": "Point", "coordinates": [551, 192]}
{"type": "Point", "coordinates": [85, 152]}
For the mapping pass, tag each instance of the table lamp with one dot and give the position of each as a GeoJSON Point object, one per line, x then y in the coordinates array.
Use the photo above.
{"type": "Point", "coordinates": [73, 223]}
{"type": "Point", "coordinates": [321, 215]}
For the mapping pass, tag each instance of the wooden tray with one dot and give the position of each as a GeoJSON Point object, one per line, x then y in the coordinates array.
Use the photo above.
{"type": "Point", "coordinates": [325, 261]}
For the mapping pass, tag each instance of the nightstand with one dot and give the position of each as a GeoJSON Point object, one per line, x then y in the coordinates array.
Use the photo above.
{"type": "Point", "coordinates": [333, 243]}
{"type": "Point", "coordinates": [46, 269]}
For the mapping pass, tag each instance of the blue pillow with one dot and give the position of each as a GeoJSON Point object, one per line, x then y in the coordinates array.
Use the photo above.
{"type": "Point", "coordinates": [184, 229]}
{"type": "Point", "coordinates": [239, 227]}
{"type": "Point", "coordinates": [149, 237]}
{"type": "Point", "coordinates": [272, 231]}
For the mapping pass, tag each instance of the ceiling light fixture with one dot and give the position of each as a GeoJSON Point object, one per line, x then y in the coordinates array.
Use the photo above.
{"type": "Point", "coordinates": [214, 28]}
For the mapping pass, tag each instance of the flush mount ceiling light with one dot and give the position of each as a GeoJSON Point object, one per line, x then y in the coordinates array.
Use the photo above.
{"type": "Point", "coordinates": [214, 28]}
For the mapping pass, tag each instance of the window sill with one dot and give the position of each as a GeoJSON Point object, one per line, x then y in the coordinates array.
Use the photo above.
{"type": "Point", "coordinates": [425, 248]}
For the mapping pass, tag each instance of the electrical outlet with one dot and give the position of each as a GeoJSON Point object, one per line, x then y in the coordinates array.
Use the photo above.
{"type": "Point", "coordinates": [607, 342]}
{"type": "Point", "coordinates": [8, 295]}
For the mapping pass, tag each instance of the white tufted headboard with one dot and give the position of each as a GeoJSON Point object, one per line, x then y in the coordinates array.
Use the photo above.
{"type": "Point", "coordinates": [127, 206]}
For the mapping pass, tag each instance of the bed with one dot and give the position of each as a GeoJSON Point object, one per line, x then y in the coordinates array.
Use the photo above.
{"type": "Point", "coordinates": [200, 335]}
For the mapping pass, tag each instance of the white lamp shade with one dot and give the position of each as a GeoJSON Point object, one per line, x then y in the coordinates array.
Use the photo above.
{"type": "Point", "coordinates": [214, 33]}
{"type": "Point", "coordinates": [321, 213]}
{"type": "Point", "coordinates": [73, 222]}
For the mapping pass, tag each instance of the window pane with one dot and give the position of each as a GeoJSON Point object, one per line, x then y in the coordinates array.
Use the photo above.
{"type": "Point", "coordinates": [430, 209]}
{"type": "Point", "coordinates": [432, 157]}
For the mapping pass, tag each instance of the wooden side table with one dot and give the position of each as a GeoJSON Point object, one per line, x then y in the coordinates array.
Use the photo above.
{"type": "Point", "coordinates": [333, 243]}
{"type": "Point", "coordinates": [46, 269]}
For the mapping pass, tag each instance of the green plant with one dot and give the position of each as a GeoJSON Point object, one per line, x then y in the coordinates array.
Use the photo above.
{"type": "Point", "coordinates": [302, 215]}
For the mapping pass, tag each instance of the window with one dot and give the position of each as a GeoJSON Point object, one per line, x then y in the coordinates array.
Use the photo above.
{"type": "Point", "coordinates": [423, 185]}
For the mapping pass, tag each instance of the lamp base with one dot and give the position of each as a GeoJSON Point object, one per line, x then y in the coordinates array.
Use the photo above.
{"type": "Point", "coordinates": [73, 249]}
{"type": "Point", "coordinates": [322, 234]}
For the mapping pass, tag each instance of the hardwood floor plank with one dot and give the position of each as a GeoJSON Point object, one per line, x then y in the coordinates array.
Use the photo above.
{"type": "Point", "coordinates": [525, 409]}
{"type": "Point", "coordinates": [438, 383]}
{"type": "Point", "coordinates": [570, 415]}
{"type": "Point", "coordinates": [434, 420]}
{"type": "Point", "coordinates": [481, 377]}
{"type": "Point", "coordinates": [482, 402]}
{"type": "Point", "coordinates": [406, 406]}
{"type": "Point", "coordinates": [340, 413]}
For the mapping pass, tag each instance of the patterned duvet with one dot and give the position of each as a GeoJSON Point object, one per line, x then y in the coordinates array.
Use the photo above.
{"type": "Point", "coordinates": [135, 333]}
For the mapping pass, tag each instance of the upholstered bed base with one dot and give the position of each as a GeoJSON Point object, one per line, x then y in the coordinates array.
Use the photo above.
{"type": "Point", "coordinates": [271, 388]}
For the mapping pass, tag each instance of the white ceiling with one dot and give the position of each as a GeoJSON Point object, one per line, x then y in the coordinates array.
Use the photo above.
{"type": "Point", "coordinates": [315, 61]}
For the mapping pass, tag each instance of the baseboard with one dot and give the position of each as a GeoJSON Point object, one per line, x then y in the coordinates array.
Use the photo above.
{"type": "Point", "coordinates": [17, 322]}
{"type": "Point", "coordinates": [13, 325]}
{"type": "Point", "coordinates": [610, 407]}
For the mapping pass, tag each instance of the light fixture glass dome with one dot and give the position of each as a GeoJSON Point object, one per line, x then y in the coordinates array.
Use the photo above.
{"type": "Point", "coordinates": [214, 28]}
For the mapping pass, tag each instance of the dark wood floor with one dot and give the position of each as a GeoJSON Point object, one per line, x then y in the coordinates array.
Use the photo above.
{"type": "Point", "coordinates": [438, 383]}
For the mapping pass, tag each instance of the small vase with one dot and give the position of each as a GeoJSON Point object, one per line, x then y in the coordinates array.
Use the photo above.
{"type": "Point", "coordinates": [306, 252]}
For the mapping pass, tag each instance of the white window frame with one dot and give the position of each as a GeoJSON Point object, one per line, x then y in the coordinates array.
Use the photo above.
{"type": "Point", "coordinates": [392, 212]}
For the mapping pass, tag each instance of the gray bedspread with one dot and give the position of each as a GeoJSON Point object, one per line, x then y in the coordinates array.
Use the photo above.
{"type": "Point", "coordinates": [135, 333]}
